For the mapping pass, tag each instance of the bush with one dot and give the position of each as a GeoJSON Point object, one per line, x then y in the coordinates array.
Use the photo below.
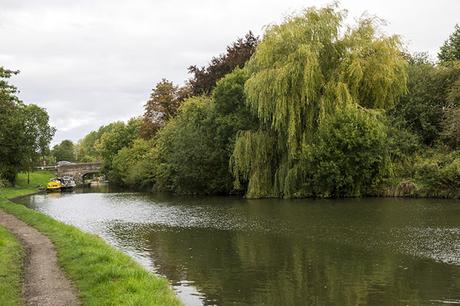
{"type": "Point", "coordinates": [403, 146]}
{"type": "Point", "coordinates": [431, 90]}
{"type": "Point", "coordinates": [439, 174]}
{"type": "Point", "coordinates": [451, 127]}
{"type": "Point", "coordinates": [187, 157]}
{"type": "Point", "coordinates": [131, 165]}
{"type": "Point", "coordinates": [349, 157]}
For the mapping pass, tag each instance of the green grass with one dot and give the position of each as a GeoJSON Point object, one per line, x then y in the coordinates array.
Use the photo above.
{"type": "Point", "coordinates": [102, 275]}
{"type": "Point", "coordinates": [37, 179]}
{"type": "Point", "coordinates": [11, 255]}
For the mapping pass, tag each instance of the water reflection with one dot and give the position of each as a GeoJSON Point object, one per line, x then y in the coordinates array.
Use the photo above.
{"type": "Point", "coordinates": [219, 251]}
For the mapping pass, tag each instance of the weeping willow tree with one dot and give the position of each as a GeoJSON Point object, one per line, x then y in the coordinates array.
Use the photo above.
{"type": "Point", "coordinates": [304, 70]}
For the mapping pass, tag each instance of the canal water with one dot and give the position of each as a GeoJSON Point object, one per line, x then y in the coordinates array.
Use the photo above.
{"type": "Point", "coordinates": [224, 250]}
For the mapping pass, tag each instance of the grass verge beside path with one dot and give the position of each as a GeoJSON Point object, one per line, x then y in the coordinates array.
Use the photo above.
{"type": "Point", "coordinates": [11, 256]}
{"type": "Point", "coordinates": [101, 274]}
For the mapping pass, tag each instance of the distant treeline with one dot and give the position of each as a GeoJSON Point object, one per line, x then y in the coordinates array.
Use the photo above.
{"type": "Point", "coordinates": [313, 109]}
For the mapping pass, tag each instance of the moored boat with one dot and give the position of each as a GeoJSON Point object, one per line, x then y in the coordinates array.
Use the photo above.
{"type": "Point", "coordinates": [65, 183]}
{"type": "Point", "coordinates": [54, 185]}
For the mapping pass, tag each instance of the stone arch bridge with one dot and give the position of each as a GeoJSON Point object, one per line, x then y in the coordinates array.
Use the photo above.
{"type": "Point", "coordinates": [78, 170]}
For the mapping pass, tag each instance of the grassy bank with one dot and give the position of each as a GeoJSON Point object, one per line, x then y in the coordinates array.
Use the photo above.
{"type": "Point", "coordinates": [11, 255]}
{"type": "Point", "coordinates": [102, 275]}
{"type": "Point", "coordinates": [37, 179]}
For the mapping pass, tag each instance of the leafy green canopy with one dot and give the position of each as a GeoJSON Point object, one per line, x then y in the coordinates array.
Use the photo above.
{"type": "Point", "coordinates": [186, 157]}
{"type": "Point", "coordinates": [303, 71]}
{"type": "Point", "coordinates": [132, 166]}
{"type": "Point", "coordinates": [115, 137]}
{"type": "Point", "coordinates": [433, 92]}
{"type": "Point", "coordinates": [450, 50]}
{"type": "Point", "coordinates": [350, 155]}
{"type": "Point", "coordinates": [85, 150]}
{"type": "Point", "coordinates": [25, 132]}
{"type": "Point", "coordinates": [190, 153]}
{"type": "Point", "coordinates": [64, 151]}
{"type": "Point", "coordinates": [12, 130]}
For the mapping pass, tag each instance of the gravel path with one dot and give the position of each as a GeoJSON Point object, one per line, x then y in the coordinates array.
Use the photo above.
{"type": "Point", "coordinates": [44, 282]}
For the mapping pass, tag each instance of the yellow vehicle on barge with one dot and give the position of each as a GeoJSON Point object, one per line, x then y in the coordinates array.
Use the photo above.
{"type": "Point", "coordinates": [64, 183]}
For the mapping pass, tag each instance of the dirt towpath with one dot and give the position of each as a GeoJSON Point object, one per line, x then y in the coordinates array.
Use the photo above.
{"type": "Point", "coordinates": [44, 282]}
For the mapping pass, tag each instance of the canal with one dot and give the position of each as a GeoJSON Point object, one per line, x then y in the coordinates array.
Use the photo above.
{"type": "Point", "coordinates": [224, 250]}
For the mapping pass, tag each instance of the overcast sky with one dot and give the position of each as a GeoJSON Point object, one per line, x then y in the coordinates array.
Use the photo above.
{"type": "Point", "coordinates": [92, 62]}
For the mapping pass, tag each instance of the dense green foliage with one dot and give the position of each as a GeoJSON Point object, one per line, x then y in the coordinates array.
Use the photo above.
{"type": "Point", "coordinates": [312, 72]}
{"type": "Point", "coordinates": [451, 127]}
{"type": "Point", "coordinates": [11, 129]}
{"type": "Point", "coordinates": [315, 108]}
{"type": "Point", "coordinates": [88, 148]}
{"type": "Point", "coordinates": [85, 149]}
{"type": "Point", "coordinates": [11, 256]}
{"type": "Point", "coordinates": [25, 132]}
{"type": "Point", "coordinates": [431, 90]}
{"type": "Point", "coordinates": [184, 157]}
{"type": "Point", "coordinates": [350, 155]}
{"type": "Point", "coordinates": [450, 51]}
{"type": "Point", "coordinates": [437, 174]}
{"type": "Point", "coordinates": [132, 165]}
{"type": "Point", "coordinates": [115, 137]}
{"type": "Point", "coordinates": [191, 153]}
{"type": "Point", "coordinates": [38, 135]}
{"type": "Point", "coordinates": [64, 151]}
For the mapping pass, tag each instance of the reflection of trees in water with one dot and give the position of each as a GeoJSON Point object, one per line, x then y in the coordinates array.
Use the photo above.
{"type": "Point", "coordinates": [275, 269]}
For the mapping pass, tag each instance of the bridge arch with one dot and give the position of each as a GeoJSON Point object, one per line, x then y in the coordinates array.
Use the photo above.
{"type": "Point", "coordinates": [78, 170]}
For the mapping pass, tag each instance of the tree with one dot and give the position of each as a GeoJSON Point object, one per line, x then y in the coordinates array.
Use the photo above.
{"type": "Point", "coordinates": [115, 137]}
{"type": "Point", "coordinates": [191, 153]}
{"type": "Point", "coordinates": [186, 158]}
{"type": "Point", "coordinates": [38, 135]}
{"type": "Point", "coordinates": [85, 150]}
{"type": "Point", "coordinates": [431, 91]}
{"type": "Point", "coordinates": [25, 132]}
{"type": "Point", "coordinates": [350, 155]}
{"type": "Point", "coordinates": [231, 115]}
{"type": "Point", "coordinates": [204, 79]}
{"type": "Point", "coordinates": [12, 129]}
{"type": "Point", "coordinates": [450, 50]}
{"type": "Point", "coordinates": [64, 151]}
{"type": "Point", "coordinates": [133, 165]}
{"type": "Point", "coordinates": [163, 105]}
{"type": "Point", "coordinates": [302, 72]}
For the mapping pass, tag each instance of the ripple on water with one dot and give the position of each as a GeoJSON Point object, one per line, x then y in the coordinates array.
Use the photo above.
{"type": "Point", "coordinates": [227, 250]}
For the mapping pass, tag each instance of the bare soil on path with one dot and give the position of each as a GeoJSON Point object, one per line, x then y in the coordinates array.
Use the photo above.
{"type": "Point", "coordinates": [44, 282]}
